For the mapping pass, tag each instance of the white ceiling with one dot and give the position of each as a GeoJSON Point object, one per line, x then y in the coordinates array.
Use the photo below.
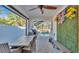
{"type": "Point", "coordinates": [37, 13]}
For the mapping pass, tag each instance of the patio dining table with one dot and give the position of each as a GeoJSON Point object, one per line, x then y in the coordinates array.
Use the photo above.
{"type": "Point", "coordinates": [22, 41]}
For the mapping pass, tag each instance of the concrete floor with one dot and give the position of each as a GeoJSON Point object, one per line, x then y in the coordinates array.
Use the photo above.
{"type": "Point", "coordinates": [44, 46]}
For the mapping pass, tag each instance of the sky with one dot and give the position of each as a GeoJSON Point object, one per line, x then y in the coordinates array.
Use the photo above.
{"type": "Point", "coordinates": [5, 12]}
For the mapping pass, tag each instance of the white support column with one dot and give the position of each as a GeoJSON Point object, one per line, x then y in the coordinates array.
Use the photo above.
{"type": "Point", "coordinates": [54, 29]}
{"type": "Point", "coordinates": [26, 28]}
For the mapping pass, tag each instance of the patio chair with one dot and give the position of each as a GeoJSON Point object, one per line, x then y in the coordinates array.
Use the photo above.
{"type": "Point", "coordinates": [16, 49]}
{"type": "Point", "coordinates": [32, 46]}
{"type": "Point", "coordinates": [4, 48]}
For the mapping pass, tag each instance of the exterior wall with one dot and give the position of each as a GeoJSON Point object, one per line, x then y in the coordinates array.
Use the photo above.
{"type": "Point", "coordinates": [67, 34]}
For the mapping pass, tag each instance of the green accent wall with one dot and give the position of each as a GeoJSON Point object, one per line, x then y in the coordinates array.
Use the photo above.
{"type": "Point", "coordinates": [67, 34]}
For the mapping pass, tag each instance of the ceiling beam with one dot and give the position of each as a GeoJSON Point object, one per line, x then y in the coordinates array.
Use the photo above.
{"type": "Point", "coordinates": [14, 10]}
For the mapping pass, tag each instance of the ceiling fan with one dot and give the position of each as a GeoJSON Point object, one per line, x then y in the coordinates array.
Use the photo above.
{"type": "Point", "coordinates": [41, 7]}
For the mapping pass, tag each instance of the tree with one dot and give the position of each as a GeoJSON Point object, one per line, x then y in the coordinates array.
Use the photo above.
{"type": "Point", "coordinates": [16, 20]}
{"type": "Point", "coordinates": [13, 19]}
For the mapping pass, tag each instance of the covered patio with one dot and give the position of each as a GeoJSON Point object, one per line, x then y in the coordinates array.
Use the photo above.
{"type": "Point", "coordinates": [40, 32]}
